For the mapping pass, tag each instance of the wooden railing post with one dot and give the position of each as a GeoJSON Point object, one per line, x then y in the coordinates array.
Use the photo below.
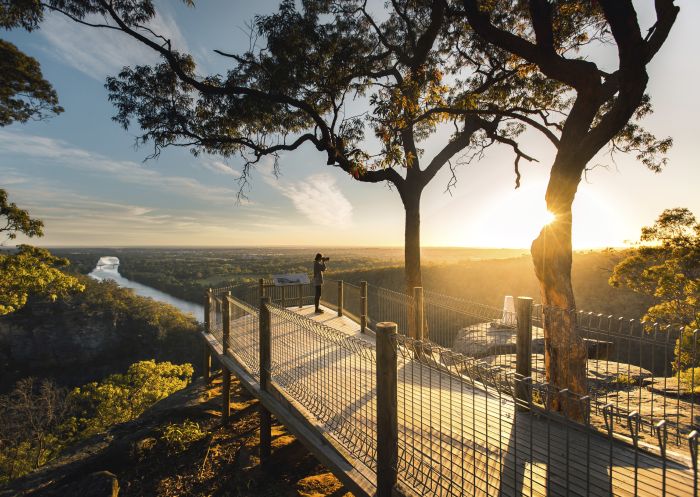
{"type": "Point", "coordinates": [265, 365]}
{"type": "Point", "coordinates": [387, 420]}
{"type": "Point", "coordinates": [226, 339]}
{"type": "Point", "coordinates": [206, 366]}
{"type": "Point", "coordinates": [284, 296]}
{"type": "Point", "coordinates": [300, 287]}
{"type": "Point", "coordinates": [261, 289]}
{"type": "Point", "coordinates": [523, 344]}
{"type": "Point", "coordinates": [363, 306]}
{"type": "Point", "coordinates": [418, 315]}
{"type": "Point", "coordinates": [340, 298]}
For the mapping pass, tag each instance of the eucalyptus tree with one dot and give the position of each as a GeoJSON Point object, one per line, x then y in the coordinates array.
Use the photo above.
{"type": "Point", "coordinates": [293, 88]}
{"type": "Point", "coordinates": [24, 93]}
{"type": "Point", "coordinates": [587, 108]}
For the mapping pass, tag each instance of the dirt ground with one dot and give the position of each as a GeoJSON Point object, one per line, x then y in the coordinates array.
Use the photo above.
{"type": "Point", "coordinates": [136, 460]}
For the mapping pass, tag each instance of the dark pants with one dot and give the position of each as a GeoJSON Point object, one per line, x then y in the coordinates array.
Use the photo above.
{"type": "Point", "coordinates": [317, 297]}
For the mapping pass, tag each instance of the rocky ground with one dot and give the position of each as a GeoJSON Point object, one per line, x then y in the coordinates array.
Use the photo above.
{"type": "Point", "coordinates": [136, 459]}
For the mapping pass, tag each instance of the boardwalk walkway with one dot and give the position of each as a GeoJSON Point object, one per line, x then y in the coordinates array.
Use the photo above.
{"type": "Point", "coordinates": [457, 434]}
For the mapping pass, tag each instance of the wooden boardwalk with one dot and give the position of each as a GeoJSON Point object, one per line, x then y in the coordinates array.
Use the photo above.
{"type": "Point", "coordinates": [455, 436]}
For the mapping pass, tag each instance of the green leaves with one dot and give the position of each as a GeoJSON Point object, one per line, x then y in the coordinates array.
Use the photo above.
{"type": "Point", "coordinates": [29, 270]}
{"type": "Point", "coordinates": [667, 268]}
{"type": "Point", "coordinates": [123, 397]}
{"type": "Point", "coordinates": [24, 93]}
{"type": "Point", "coordinates": [33, 271]}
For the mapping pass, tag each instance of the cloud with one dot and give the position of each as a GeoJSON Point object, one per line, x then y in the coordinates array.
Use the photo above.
{"type": "Point", "coordinates": [98, 52]}
{"type": "Point", "coordinates": [219, 167]}
{"type": "Point", "coordinates": [60, 152]}
{"type": "Point", "coordinates": [318, 198]}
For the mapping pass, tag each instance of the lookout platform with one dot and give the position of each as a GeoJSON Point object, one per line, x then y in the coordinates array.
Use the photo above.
{"type": "Point", "coordinates": [459, 428]}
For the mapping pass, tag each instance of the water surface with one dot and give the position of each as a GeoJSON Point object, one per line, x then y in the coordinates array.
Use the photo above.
{"type": "Point", "coordinates": [108, 269]}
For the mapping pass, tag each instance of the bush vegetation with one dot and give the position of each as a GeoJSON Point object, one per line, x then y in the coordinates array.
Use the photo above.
{"type": "Point", "coordinates": [40, 419]}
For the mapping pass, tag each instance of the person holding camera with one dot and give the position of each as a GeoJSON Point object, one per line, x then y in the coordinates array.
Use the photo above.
{"type": "Point", "coordinates": [319, 268]}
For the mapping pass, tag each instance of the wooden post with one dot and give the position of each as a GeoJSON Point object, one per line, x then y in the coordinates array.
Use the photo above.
{"type": "Point", "coordinates": [387, 420]}
{"type": "Point", "coordinates": [300, 287]}
{"type": "Point", "coordinates": [261, 290]}
{"type": "Point", "coordinates": [340, 298]}
{"type": "Point", "coordinates": [284, 296]}
{"type": "Point", "coordinates": [363, 306]}
{"type": "Point", "coordinates": [265, 365]}
{"type": "Point", "coordinates": [226, 339]}
{"type": "Point", "coordinates": [206, 366]}
{"type": "Point", "coordinates": [418, 315]}
{"type": "Point", "coordinates": [523, 344]}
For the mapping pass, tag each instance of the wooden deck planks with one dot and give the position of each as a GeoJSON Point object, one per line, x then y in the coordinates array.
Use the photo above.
{"type": "Point", "coordinates": [455, 439]}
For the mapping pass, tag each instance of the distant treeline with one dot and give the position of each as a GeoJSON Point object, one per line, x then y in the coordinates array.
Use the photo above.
{"type": "Point", "coordinates": [481, 275]}
{"type": "Point", "coordinates": [489, 281]}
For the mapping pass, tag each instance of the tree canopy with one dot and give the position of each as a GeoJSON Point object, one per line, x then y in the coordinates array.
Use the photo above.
{"type": "Point", "coordinates": [28, 270]}
{"type": "Point", "coordinates": [486, 69]}
{"type": "Point", "coordinates": [666, 266]}
{"type": "Point", "coordinates": [593, 108]}
{"type": "Point", "coordinates": [24, 93]}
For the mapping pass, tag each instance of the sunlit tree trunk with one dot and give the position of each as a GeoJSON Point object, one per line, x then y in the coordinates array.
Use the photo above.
{"type": "Point", "coordinates": [565, 353]}
{"type": "Point", "coordinates": [412, 243]}
{"type": "Point", "coordinates": [412, 267]}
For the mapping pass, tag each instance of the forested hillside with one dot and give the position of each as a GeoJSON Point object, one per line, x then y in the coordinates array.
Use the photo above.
{"type": "Point", "coordinates": [88, 335]}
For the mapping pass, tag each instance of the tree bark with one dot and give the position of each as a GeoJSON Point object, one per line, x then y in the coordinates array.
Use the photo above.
{"type": "Point", "coordinates": [565, 353]}
{"type": "Point", "coordinates": [411, 202]}
{"type": "Point", "coordinates": [412, 270]}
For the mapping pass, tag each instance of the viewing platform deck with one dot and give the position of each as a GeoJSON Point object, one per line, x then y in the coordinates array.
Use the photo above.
{"type": "Point", "coordinates": [457, 433]}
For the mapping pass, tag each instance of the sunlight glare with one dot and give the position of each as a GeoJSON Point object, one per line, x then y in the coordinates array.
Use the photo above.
{"type": "Point", "coordinates": [548, 217]}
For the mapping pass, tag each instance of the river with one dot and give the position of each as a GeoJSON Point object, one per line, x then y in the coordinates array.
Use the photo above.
{"type": "Point", "coordinates": [108, 269]}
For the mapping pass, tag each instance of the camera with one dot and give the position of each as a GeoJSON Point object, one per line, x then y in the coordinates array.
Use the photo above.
{"type": "Point", "coordinates": [324, 259]}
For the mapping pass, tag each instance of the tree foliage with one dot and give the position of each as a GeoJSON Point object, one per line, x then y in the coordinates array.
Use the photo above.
{"type": "Point", "coordinates": [29, 270]}
{"type": "Point", "coordinates": [24, 93]}
{"type": "Point", "coordinates": [123, 397]}
{"type": "Point", "coordinates": [666, 266]}
{"type": "Point", "coordinates": [593, 107]}
{"type": "Point", "coordinates": [40, 420]}
{"type": "Point", "coordinates": [31, 431]}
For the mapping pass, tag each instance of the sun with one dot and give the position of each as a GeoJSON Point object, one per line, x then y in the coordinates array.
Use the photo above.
{"type": "Point", "coordinates": [548, 217]}
{"type": "Point", "coordinates": [514, 218]}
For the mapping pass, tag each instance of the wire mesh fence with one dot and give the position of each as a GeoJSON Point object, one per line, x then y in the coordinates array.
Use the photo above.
{"type": "Point", "coordinates": [466, 434]}
{"type": "Point", "coordinates": [331, 375]}
{"type": "Point", "coordinates": [389, 306]}
{"type": "Point", "coordinates": [466, 426]}
{"type": "Point", "coordinates": [244, 337]}
{"type": "Point", "coordinates": [630, 366]}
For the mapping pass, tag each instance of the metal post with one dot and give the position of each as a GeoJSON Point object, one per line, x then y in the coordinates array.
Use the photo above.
{"type": "Point", "coordinates": [340, 298]}
{"type": "Point", "coordinates": [300, 287]}
{"type": "Point", "coordinates": [265, 365]}
{"type": "Point", "coordinates": [206, 366]}
{"type": "Point", "coordinates": [387, 420]}
{"type": "Point", "coordinates": [363, 306]}
{"type": "Point", "coordinates": [226, 339]}
{"type": "Point", "coordinates": [523, 343]}
{"type": "Point", "coordinates": [418, 315]}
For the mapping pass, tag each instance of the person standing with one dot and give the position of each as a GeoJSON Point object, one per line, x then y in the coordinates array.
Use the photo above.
{"type": "Point", "coordinates": [319, 268]}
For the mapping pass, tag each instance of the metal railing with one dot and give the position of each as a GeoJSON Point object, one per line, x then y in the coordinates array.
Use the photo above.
{"type": "Point", "coordinates": [632, 366]}
{"type": "Point", "coordinates": [460, 424]}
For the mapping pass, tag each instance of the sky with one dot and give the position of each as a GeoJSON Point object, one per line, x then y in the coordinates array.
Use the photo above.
{"type": "Point", "coordinates": [83, 176]}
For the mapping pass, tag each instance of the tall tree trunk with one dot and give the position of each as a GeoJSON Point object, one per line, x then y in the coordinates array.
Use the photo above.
{"type": "Point", "coordinates": [565, 353]}
{"type": "Point", "coordinates": [412, 242]}
{"type": "Point", "coordinates": [412, 268]}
